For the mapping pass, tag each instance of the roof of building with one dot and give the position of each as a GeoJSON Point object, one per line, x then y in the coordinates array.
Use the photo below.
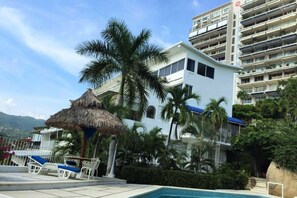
{"type": "Point", "coordinates": [230, 119]}
{"type": "Point", "coordinates": [196, 51]}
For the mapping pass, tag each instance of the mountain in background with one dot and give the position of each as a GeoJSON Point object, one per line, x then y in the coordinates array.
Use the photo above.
{"type": "Point", "coordinates": [13, 126]}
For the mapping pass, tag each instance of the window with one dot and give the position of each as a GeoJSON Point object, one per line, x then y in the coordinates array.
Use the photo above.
{"type": "Point", "coordinates": [216, 14]}
{"type": "Point", "coordinates": [259, 78]}
{"type": "Point", "coordinates": [191, 65]}
{"type": "Point", "coordinates": [174, 67]}
{"type": "Point", "coordinates": [201, 69]}
{"type": "Point", "coordinates": [210, 72]}
{"type": "Point", "coordinates": [181, 64]}
{"type": "Point", "coordinates": [151, 112]}
{"type": "Point", "coordinates": [155, 73]}
{"type": "Point", "coordinates": [245, 80]}
{"type": "Point", "coordinates": [190, 89]}
{"type": "Point", "coordinates": [205, 70]}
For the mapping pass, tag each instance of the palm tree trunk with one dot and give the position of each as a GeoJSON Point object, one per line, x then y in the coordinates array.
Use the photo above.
{"type": "Point", "coordinates": [170, 130]}
{"type": "Point", "coordinates": [175, 131]}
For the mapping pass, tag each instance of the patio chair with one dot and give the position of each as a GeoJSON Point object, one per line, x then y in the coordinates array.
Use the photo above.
{"type": "Point", "coordinates": [38, 164]}
{"type": "Point", "coordinates": [64, 172]}
{"type": "Point", "coordinates": [89, 168]}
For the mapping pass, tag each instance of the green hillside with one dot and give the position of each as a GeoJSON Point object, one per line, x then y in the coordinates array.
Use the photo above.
{"type": "Point", "coordinates": [18, 126]}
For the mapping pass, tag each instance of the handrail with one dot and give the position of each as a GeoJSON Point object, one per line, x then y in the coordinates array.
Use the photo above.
{"type": "Point", "coordinates": [282, 185]}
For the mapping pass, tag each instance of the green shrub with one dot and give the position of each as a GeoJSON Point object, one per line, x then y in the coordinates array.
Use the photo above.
{"type": "Point", "coordinates": [157, 176]}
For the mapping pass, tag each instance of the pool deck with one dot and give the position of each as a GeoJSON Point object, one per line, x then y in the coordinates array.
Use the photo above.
{"type": "Point", "coordinates": [24, 185]}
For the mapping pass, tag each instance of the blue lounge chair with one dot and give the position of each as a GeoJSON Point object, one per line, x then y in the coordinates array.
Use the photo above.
{"type": "Point", "coordinates": [38, 164]}
{"type": "Point", "coordinates": [65, 172]}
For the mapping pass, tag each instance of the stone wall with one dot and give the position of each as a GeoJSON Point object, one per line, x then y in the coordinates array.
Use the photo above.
{"type": "Point", "coordinates": [280, 175]}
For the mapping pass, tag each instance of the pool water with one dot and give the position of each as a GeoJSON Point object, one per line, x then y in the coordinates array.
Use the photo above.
{"type": "Point", "coordinates": [181, 193]}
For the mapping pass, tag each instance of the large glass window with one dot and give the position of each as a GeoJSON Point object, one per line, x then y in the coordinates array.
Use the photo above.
{"type": "Point", "coordinates": [181, 64]}
{"type": "Point", "coordinates": [191, 65]}
{"type": "Point", "coordinates": [210, 72]}
{"type": "Point", "coordinates": [174, 67]}
{"type": "Point", "coordinates": [201, 69]}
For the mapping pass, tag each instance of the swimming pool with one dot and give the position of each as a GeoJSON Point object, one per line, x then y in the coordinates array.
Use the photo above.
{"type": "Point", "coordinates": [182, 193]}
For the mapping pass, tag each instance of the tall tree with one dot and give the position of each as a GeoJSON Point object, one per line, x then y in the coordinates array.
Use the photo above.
{"type": "Point", "coordinates": [176, 108]}
{"type": "Point", "coordinates": [216, 113]}
{"type": "Point", "coordinates": [217, 116]}
{"type": "Point", "coordinates": [121, 52]}
{"type": "Point", "coordinates": [288, 93]}
{"type": "Point", "coordinates": [202, 131]}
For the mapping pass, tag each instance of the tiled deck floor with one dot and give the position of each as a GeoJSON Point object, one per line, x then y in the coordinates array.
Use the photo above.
{"type": "Point", "coordinates": [24, 185]}
{"type": "Point", "coordinates": [106, 191]}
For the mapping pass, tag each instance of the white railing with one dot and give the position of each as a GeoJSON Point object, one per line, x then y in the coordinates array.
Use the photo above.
{"type": "Point", "coordinates": [282, 185]}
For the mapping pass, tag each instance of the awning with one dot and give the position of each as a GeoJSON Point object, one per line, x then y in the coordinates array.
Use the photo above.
{"type": "Point", "coordinates": [229, 119]}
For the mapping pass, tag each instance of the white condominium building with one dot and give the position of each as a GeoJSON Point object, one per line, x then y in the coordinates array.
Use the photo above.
{"type": "Point", "coordinates": [258, 35]}
{"type": "Point", "coordinates": [268, 46]}
{"type": "Point", "coordinates": [188, 67]}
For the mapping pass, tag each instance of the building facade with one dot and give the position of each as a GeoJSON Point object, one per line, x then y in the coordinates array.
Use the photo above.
{"type": "Point", "coordinates": [268, 46]}
{"type": "Point", "coordinates": [188, 67]}
{"type": "Point", "coordinates": [260, 37]}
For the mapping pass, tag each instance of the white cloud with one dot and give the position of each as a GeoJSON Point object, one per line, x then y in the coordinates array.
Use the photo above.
{"type": "Point", "coordinates": [195, 3]}
{"type": "Point", "coordinates": [14, 21]}
{"type": "Point", "coordinates": [159, 41]}
{"type": "Point", "coordinates": [10, 102]}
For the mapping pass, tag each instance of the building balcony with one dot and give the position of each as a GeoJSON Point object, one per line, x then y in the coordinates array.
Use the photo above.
{"type": "Point", "coordinates": [273, 31]}
{"type": "Point", "coordinates": [269, 14]}
{"type": "Point", "coordinates": [266, 43]}
{"type": "Point", "coordinates": [204, 43]}
{"type": "Point", "coordinates": [209, 30]}
{"type": "Point", "coordinates": [261, 8]}
{"type": "Point", "coordinates": [270, 47]}
{"type": "Point", "coordinates": [252, 3]}
{"type": "Point", "coordinates": [268, 70]}
{"type": "Point", "coordinates": [215, 48]}
{"type": "Point", "coordinates": [270, 23]}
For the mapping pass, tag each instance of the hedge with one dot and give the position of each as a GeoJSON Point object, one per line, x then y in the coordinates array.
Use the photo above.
{"type": "Point", "coordinates": [157, 176]}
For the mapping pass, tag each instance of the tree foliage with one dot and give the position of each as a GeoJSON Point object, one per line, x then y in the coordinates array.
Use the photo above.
{"type": "Point", "coordinates": [121, 52]}
{"type": "Point", "coordinates": [176, 108]}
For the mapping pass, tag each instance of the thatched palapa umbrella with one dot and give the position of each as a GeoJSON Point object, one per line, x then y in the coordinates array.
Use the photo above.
{"type": "Point", "coordinates": [87, 114]}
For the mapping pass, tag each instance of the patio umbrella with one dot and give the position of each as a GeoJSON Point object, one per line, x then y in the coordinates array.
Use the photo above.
{"type": "Point", "coordinates": [87, 114]}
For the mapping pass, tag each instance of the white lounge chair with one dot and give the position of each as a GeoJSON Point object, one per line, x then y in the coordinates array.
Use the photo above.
{"type": "Point", "coordinates": [65, 172]}
{"type": "Point", "coordinates": [38, 164]}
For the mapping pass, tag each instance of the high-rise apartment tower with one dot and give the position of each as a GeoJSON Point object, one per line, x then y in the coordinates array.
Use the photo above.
{"type": "Point", "coordinates": [258, 35]}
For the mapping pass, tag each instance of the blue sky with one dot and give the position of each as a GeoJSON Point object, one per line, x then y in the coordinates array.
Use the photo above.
{"type": "Point", "coordinates": [39, 69]}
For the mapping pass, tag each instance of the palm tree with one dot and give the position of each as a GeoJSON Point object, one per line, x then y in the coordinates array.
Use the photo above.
{"type": "Point", "coordinates": [175, 109]}
{"type": "Point", "coordinates": [243, 95]}
{"type": "Point", "coordinates": [120, 52]}
{"type": "Point", "coordinates": [217, 115]}
{"type": "Point", "coordinates": [202, 130]}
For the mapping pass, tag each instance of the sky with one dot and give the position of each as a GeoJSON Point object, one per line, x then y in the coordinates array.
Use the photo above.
{"type": "Point", "coordinates": [39, 68]}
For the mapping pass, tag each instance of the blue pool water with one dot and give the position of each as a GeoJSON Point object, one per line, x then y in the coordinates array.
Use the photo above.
{"type": "Point", "coordinates": [181, 193]}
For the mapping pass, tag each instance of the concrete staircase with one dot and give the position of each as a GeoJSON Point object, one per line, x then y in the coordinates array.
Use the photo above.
{"type": "Point", "coordinates": [260, 187]}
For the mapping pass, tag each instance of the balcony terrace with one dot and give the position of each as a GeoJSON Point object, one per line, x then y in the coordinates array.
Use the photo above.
{"type": "Point", "coordinates": [262, 26]}
{"type": "Point", "coordinates": [274, 13]}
